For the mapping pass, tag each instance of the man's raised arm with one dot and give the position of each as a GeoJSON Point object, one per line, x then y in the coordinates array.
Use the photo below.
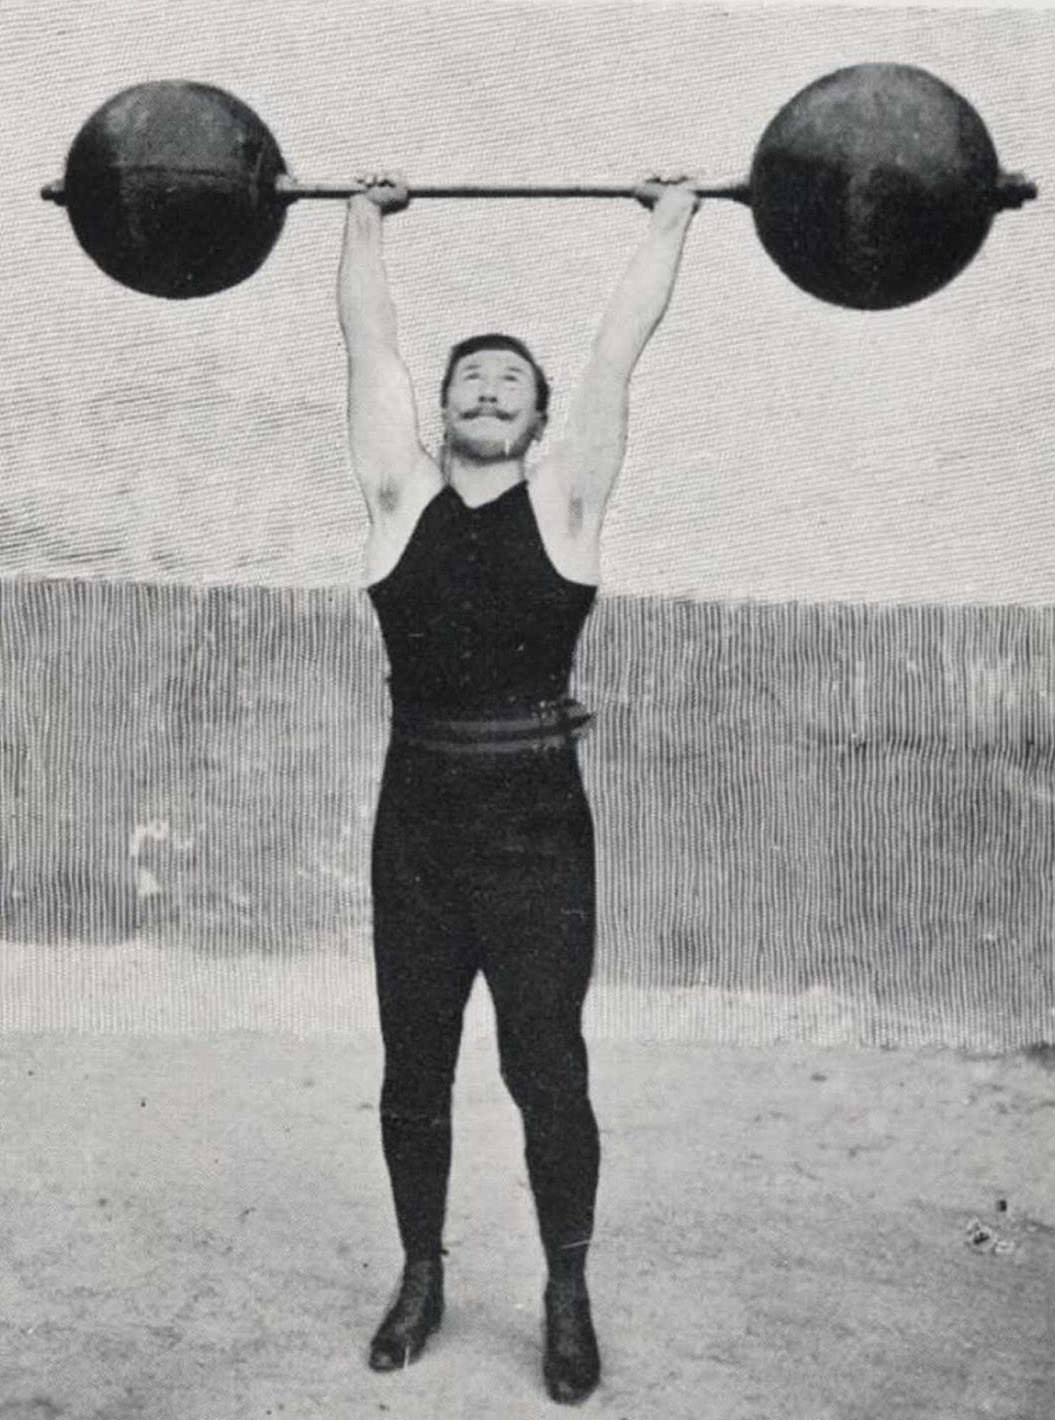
{"type": "Point", "coordinates": [383, 435]}
{"type": "Point", "coordinates": [586, 460]}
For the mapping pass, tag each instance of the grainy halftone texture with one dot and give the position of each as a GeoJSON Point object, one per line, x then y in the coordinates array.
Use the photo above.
{"type": "Point", "coordinates": [852, 800]}
{"type": "Point", "coordinates": [781, 449]}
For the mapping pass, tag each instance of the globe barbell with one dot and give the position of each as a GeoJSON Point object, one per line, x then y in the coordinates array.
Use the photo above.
{"type": "Point", "coordinates": [871, 188]}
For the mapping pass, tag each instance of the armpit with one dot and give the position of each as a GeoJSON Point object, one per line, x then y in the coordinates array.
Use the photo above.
{"type": "Point", "coordinates": [387, 497]}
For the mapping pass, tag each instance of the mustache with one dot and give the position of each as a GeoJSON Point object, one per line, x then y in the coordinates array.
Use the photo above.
{"type": "Point", "coordinates": [481, 410]}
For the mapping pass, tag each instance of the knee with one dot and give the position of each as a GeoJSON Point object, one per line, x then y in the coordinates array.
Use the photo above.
{"type": "Point", "coordinates": [546, 1081]}
{"type": "Point", "coordinates": [414, 1097]}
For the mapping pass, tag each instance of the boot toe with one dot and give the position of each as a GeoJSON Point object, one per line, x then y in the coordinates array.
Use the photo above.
{"type": "Point", "coordinates": [399, 1342]}
{"type": "Point", "coordinates": [417, 1312]}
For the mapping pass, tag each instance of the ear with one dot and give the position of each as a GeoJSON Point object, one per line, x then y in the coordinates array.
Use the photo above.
{"type": "Point", "coordinates": [541, 420]}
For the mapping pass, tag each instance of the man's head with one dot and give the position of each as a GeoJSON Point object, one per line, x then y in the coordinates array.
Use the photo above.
{"type": "Point", "coordinates": [494, 398]}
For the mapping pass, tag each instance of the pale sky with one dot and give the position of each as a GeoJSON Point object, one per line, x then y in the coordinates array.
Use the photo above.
{"type": "Point", "coordinates": [780, 448]}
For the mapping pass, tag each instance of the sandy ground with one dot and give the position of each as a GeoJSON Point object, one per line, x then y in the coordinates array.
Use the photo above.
{"type": "Point", "coordinates": [197, 1227]}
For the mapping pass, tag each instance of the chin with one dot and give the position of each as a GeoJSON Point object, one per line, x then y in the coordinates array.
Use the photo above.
{"type": "Point", "coordinates": [485, 451]}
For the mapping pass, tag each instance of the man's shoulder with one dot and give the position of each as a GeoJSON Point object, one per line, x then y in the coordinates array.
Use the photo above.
{"type": "Point", "coordinates": [396, 508]}
{"type": "Point", "coordinates": [569, 526]}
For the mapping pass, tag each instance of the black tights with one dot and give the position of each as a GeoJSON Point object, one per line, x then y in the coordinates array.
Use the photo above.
{"type": "Point", "coordinates": [486, 864]}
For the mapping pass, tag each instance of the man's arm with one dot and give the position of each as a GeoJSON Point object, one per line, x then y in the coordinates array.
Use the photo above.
{"type": "Point", "coordinates": [584, 464]}
{"type": "Point", "coordinates": [386, 449]}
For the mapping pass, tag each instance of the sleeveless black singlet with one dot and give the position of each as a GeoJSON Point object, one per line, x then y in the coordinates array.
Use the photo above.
{"type": "Point", "coordinates": [474, 615]}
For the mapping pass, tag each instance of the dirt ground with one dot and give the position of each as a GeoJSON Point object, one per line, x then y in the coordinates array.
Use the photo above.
{"type": "Point", "coordinates": [197, 1227]}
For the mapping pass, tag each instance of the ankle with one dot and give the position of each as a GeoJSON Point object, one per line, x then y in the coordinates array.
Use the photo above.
{"type": "Point", "coordinates": [567, 1267]}
{"type": "Point", "coordinates": [423, 1272]}
{"type": "Point", "coordinates": [566, 1296]}
{"type": "Point", "coordinates": [423, 1262]}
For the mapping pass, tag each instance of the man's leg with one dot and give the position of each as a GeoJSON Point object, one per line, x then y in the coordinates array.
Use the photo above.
{"type": "Point", "coordinates": [534, 909]}
{"type": "Point", "coordinates": [425, 968]}
{"type": "Point", "coordinates": [544, 1065]}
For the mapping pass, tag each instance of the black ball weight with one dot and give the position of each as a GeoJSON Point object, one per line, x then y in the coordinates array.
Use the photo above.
{"type": "Point", "coordinates": [170, 188]}
{"type": "Point", "coordinates": [874, 186]}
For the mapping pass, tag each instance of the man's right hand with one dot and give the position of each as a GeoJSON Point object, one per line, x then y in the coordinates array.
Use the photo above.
{"type": "Point", "coordinates": [675, 191]}
{"type": "Point", "coordinates": [389, 192]}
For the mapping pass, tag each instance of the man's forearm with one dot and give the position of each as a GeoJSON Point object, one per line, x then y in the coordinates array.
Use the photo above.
{"type": "Point", "coordinates": [367, 313]}
{"type": "Point", "coordinates": [640, 299]}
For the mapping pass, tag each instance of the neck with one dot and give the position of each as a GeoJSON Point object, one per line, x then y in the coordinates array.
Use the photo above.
{"type": "Point", "coordinates": [477, 483]}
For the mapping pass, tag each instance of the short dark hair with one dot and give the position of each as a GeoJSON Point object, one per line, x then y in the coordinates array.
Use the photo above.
{"type": "Point", "coordinates": [494, 340]}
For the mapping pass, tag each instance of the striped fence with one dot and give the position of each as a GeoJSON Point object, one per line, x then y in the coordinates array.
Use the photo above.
{"type": "Point", "coordinates": [858, 800]}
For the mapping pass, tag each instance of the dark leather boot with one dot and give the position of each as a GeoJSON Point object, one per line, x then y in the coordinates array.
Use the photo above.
{"type": "Point", "coordinates": [414, 1315]}
{"type": "Point", "coordinates": [572, 1365]}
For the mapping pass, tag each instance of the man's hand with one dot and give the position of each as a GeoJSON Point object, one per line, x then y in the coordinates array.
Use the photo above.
{"type": "Point", "coordinates": [389, 192]}
{"type": "Point", "coordinates": [364, 304]}
{"type": "Point", "coordinates": [668, 193]}
{"type": "Point", "coordinates": [381, 193]}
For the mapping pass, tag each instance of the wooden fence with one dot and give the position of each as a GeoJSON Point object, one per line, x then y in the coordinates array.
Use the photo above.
{"type": "Point", "coordinates": [854, 798]}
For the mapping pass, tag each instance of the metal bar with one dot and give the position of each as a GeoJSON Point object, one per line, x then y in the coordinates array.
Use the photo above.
{"type": "Point", "coordinates": [293, 191]}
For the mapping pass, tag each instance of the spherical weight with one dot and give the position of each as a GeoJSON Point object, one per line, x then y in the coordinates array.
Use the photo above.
{"type": "Point", "coordinates": [170, 188]}
{"type": "Point", "coordinates": [874, 186]}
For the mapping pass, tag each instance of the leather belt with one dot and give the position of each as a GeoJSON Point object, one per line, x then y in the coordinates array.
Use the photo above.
{"type": "Point", "coordinates": [547, 724]}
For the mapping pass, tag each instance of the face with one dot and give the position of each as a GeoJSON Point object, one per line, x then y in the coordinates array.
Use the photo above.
{"type": "Point", "coordinates": [490, 412]}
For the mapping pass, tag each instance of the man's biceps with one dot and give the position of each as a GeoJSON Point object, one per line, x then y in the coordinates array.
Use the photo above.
{"type": "Point", "coordinates": [586, 472]}
{"type": "Point", "coordinates": [387, 441]}
{"type": "Point", "coordinates": [384, 422]}
{"type": "Point", "coordinates": [603, 469]}
{"type": "Point", "coordinates": [381, 384]}
{"type": "Point", "coordinates": [599, 414]}
{"type": "Point", "coordinates": [385, 462]}
{"type": "Point", "coordinates": [613, 359]}
{"type": "Point", "coordinates": [598, 445]}
{"type": "Point", "coordinates": [387, 408]}
{"type": "Point", "coordinates": [607, 376]}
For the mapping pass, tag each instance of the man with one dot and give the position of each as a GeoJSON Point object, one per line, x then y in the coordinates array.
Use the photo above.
{"type": "Point", "coordinates": [482, 576]}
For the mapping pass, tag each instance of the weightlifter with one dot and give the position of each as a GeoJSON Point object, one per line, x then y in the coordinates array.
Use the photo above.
{"type": "Point", "coordinates": [482, 573]}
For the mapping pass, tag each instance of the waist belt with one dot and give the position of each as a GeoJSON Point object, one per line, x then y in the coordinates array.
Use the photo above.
{"type": "Point", "coordinates": [548, 724]}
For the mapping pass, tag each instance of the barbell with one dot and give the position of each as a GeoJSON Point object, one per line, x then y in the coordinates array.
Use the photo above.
{"type": "Point", "coordinates": [871, 188]}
